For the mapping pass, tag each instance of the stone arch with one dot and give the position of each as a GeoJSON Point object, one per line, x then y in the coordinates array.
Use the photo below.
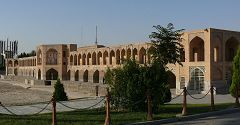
{"type": "Point", "coordinates": [142, 56]}
{"type": "Point", "coordinates": [51, 57]}
{"type": "Point", "coordinates": [76, 75]}
{"type": "Point", "coordinates": [10, 63]}
{"type": "Point", "coordinates": [84, 59]}
{"type": "Point", "coordinates": [196, 49]}
{"type": "Point", "coordinates": [99, 57]}
{"type": "Point", "coordinates": [94, 58]}
{"type": "Point", "coordinates": [105, 57]}
{"type": "Point", "coordinates": [71, 60]}
{"type": "Point", "coordinates": [75, 59]}
{"type": "Point", "coordinates": [112, 57]}
{"type": "Point", "coordinates": [15, 71]}
{"type": "Point", "coordinates": [39, 74]}
{"type": "Point", "coordinates": [89, 58]}
{"type": "Point", "coordinates": [39, 57]}
{"type": "Point", "coordinates": [231, 47]}
{"type": "Point", "coordinates": [128, 53]}
{"type": "Point", "coordinates": [96, 77]}
{"type": "Point", "coordinates": [68, 76]}
{"type": "Point", "coordinates": [123, 55]}
{"type": "Point", "coordinates": [79, 59]}
{"type": "Point", "coordinates": [51, 74]}
{"type": "Point", "coordinates": [135, 54]}
{"type": "Point", "coordinates": [171, 79]}
{"type": "Point", "coordinates": [15, 63]}
{"type": "Point", "coordinates": [85, 76]}
{"type": "Point", "coordinates": [118, 56]}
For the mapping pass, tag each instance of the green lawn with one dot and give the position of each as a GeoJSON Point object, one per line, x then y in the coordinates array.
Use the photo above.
{"type": "Point", "coordinates": [97, 117]}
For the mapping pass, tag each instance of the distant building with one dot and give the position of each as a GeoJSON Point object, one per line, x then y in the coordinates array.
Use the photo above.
{"type": "Point", "coordinates": [207, 60]}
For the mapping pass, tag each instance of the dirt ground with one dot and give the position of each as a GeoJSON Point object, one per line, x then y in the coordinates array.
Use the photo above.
{"type": "Point", "coordinates": [17, 95]}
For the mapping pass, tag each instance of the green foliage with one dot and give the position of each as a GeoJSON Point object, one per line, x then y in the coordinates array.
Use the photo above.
{"type": "Point", "coordinates": [130, 83]}
{"type": "Point", "coordinates": [32, 53]}
{"type": "Point", "coordinates": [167, 44]}
{"type": "Point", "coordinates": [59, 93]}
{"type": "Point", "coordinates": [236, 75]}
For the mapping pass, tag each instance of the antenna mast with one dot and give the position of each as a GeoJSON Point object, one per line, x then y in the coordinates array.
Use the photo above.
{"type": "Point", "coordinates": [96, 42]}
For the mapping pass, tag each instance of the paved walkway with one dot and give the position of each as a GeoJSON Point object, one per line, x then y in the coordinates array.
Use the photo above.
{"type": "Point", "coordinates": [227, 98]}
{"type": "Point", "coordinates": [229, 119]}
{"type": "Point", "coordinates": [74, 104]}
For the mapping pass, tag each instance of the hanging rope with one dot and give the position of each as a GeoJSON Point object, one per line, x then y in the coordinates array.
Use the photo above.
{"type": "Point", "coordinates": [198, 97]}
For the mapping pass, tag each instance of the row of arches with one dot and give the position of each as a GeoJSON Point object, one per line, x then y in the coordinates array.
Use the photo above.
{"type": "Point", "coordinates": [51, 57]}
{"type": "Point", "coordinates": [85, 76]}
{"type": "Point", "coordinates": [112, 57]}
{"type": "Point", "coordinates": [27, 62]}
{"type": "Point", "coordinates": [197, 49]}
{"type": "Point", "coordinates": [13, 63]}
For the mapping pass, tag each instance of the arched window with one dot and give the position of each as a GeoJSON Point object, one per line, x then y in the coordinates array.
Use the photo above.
{"type": "Point", "coordinates": [96, 77]}
{"type": "Point", "coordinates": [112, 57]}
{"type": "Point", "coordinates": [117, 57]}
{"type": "Point", "coordinates": [105, 57]}
{"type": "Point", "coordinates": [94, 59]}
{"type": "Point", "coordinates": [77, 75]}
{"type": "Point", "coordinates": [75, 59]}
{"type": "Point", "coordinates": [85, 76]}
{"type": "Point", "coordinates": [142, 56]}
{"type": "Point", "coordinates": [231, 48]}
{"type": "Point", "coordinates": [71, 60]}
{"type": "Point", "coordinates": [197, 49]}
{"type": "Point", "coordinates": [99, 58]}
{"type": "Point", "coordinates": [51, 57]}
{"type": "Point", "coordinates": [39, 74]}
{"type": "Point", "coordinates": [196, 79]}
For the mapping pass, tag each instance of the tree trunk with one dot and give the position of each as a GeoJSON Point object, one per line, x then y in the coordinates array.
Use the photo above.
{"type": "Point", "coordinates": [237, 100]}
{"type": "Point", "coordinates": [149, 101]}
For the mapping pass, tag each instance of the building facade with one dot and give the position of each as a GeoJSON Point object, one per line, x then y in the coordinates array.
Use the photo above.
{"type": "Point", "coordinates": [207, 60]}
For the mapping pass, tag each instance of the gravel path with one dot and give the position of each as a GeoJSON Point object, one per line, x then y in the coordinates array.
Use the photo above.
{"type": "Point", "coordinates": [15, 95]}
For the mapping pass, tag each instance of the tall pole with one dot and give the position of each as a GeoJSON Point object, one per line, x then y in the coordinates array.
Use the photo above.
{"type": "Point", "coordinates": [96, 42]}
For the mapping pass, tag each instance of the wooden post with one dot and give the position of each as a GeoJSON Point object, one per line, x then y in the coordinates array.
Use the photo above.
{"type": "Point", "coordinates": [107, 119]}
{"type": "Point", "coordinates": [212, 99]}
{"type": "Point", "coordinates": [184, 110]}
{"type": "Point", "coordinates": [54, 122]}
{"type": "Point", "coordinates": [149, 101]}
{"type": "Point", "coordinates": [236, 96]}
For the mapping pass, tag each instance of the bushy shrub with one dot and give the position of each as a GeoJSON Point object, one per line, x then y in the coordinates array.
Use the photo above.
{"type": "Point", "coordinates": [59, 93]}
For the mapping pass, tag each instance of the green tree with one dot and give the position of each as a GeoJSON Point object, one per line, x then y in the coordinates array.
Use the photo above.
{"type": "Point", "coordinates": [59, 93]}
{"type": "Point", "coordinates": [167, 44]}
{"type": "Point", "coordinates": [236, 76]}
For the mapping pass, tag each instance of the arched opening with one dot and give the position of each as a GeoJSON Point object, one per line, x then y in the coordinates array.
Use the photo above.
{"type": "Point", "coordinates": [135, 53]}
{"type": "Point", "coordinates": [33, 73]}
{"type": "Point", "coordinates": [51, 74]}
{"type": "Point", "coordinates": [182, 55]}
{"type": "Point", "coordinates": [96, 77]}
{"type": "Point", "coordinates": [39, 74]}
{"type": "Point", "coordinates": [231, 48]}
{"type": "Point", "coordinates": [122, 55]}
{"type": "Point", "coordinates": [88, 58]}
{"type": "Point", "coordinates": [51, 57]}
{"type": "Point", "coordinates": [71, 60]}
{"type": "Point", "coordinates": [84, 59]}
{"type": "Point", "coordinates": [197, 49]}
{"type": "Point", "coordinates": [85, 76]}
{"type": "Point", "coordinates": [94, 59]}
{"type": "Point", "coordinates": [68, 75]}
{"type": "Point", "coordinates": [15, 72]}
{"type": "Point", "coordinates": [112, 57]}
{"type": "Point", "coordinates": [149, 54]}
{"type": "Point", "coordinates": [171, 79]}
{"type": "Point", "coordinates": [75, 59]}
{"type": "Point", "coordinates": [79, 59]}
{"type": "Point", "coordinates": [15, 63]}
{"type": "Point", "coordinates": [217, 74]}
{"type": "Point", "coordinates": [196, 80]}
{"type": "Point", "coordinates": [128, 53]}
{"type": "Point", "coordinates": [99, 58]}
{"type": "Point", "coordinates": [10, 63]}
{"type": "Point", "coordinates": [39, 57]}
{"type": "Point", "coordinates": [117, 57]}
{"type": "Point", "coordinates": [142, 56]}
{"type": "Point", "coordinates": [77, 75]}
{"type": "Point", "coordinates": [105, 57]}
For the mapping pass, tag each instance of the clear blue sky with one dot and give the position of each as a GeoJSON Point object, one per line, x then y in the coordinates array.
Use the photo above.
{"type": "Point", "coordinates": [34, 22]}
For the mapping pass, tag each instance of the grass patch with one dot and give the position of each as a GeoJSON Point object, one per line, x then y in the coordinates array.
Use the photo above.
{"type": "Point", "coordinates": [97, 117]}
